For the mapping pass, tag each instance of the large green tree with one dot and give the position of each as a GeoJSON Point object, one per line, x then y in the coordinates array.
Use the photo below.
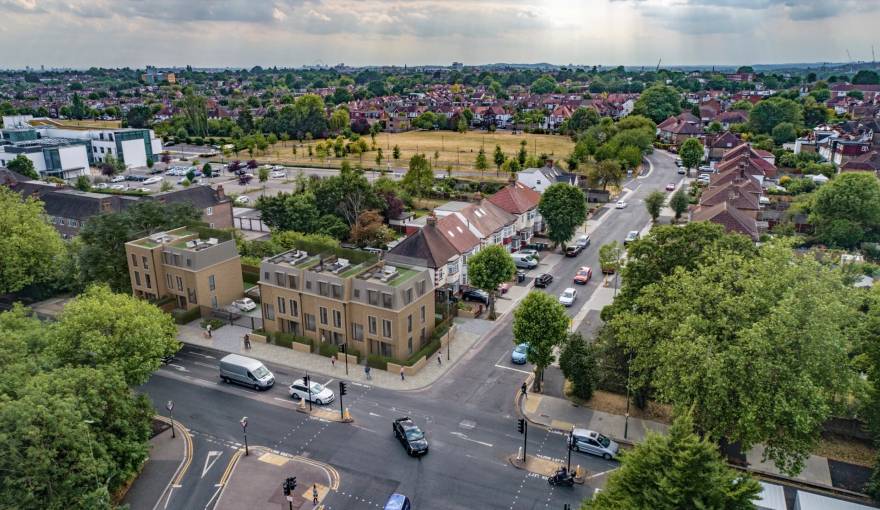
{"type": "Point", "coordinates": [577, 359]}
{"type": "Point", "coordinates": [679, 202]}
{"type": "Point", "coordinates": [290, 211]}
{"type": "Point", "coordinates": [755, 346]}
{"type": "Point", "coordinates": [23, 165]}
{"type": "Point", "coordinates": [138, 116]}
{"type": "Point", "coordinates": [769, 113]}
{"type": "Point", "coordinates": [691, 153]}
{"type": "Point", "coordinates": [674, 471]}
{"type": "Point", "coordinates": [419, 178]}
{"type": "Point", "coordinates": [30, 249]}
{"type": "Point", "coordinates": [658, 102]}
{"type": "Point", "coordinates": [488, 269]}
{"type": "Point", "coordinates": [654, 204]}
{"type": "Point", "coordinates": [541, 322]}
{"type": "Point", "coordinates": [564, 208]}
{"type": "Point", "coordinates": [846, 211]}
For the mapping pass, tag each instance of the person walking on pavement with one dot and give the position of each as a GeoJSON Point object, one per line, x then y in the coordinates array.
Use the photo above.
{"type": "Point", "coordinates": [402, 376]}
{"type": "Point", "coordinates": [439, 360]}
{"type": "Point", "coordinates": [525, 390]}
{"type": "Point", "coordinates": [315, 494]}
{"type": "Point", "coordinates": [247, 341]}
{"type": "Point", "coordinates": [367, 371]}
{"type": "Point", "coordinates": [333, 361]}
{"type": "Point", "coordinates": [208, 328]}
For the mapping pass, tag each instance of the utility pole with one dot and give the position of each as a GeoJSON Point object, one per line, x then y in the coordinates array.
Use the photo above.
{"type": "Point", "coordinates": [308, 384]}
{"type": "Point", "coordinates": [170, 406]}
{"type": "Point", "coordinates": [342, 391]}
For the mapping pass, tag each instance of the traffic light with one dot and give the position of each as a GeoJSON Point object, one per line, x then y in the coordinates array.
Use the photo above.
{"type": "Point", "coordinates": [289, 485]}
{"type": "Point", "coordinates": [521, 425]}
{"type": "Point", "coordinates": [343, 388]}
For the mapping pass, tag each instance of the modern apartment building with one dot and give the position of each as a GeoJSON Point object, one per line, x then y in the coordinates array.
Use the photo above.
{"type": "Point", "coordinates": [373, 307]}
{"type": "Point", "coordinates": [199, 267]}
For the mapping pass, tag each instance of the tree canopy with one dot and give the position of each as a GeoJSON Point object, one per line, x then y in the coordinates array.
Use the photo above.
{"type": "Point", "coordinates": [419, 178]}
{"type": "Point", "coordinates": [24, 166]}
{"type": "Point", "coordinates": [541, 322]}
{"type": "Point", "coordinates": [846, 211]}
{"type": "Point", "coordinates": [769, 113]}
{"type": "Point", "coordinates": [30, 248]}
{"type": "Point", "coordinates": [489, 268]}
{"type": "Point", "coordinates": [564, 208]}
{"type": "Point", "coordinates": [658, 102]}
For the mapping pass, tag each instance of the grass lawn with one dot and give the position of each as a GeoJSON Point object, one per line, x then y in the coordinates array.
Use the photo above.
{"type": "Point", "coordinates": [458, 150]}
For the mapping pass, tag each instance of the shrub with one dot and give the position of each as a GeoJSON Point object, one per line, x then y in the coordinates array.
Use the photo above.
{"type": "Point", "coordinates": [428, 350]}
{"type": "Point", "coordinates": [327, 349]}
{"type": "Point", "coordinates": [186, 316]}
{"type": "Point", "coordinates": [215, 324]}
{"type": "Point", "coordinates": [378, 362]}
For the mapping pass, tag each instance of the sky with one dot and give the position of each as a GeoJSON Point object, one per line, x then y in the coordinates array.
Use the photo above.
{"type": "Point", "coordinates": [292, 33]}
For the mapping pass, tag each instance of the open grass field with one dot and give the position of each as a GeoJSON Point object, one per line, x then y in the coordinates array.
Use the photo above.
{"type": "Point", "coordinates": [456, 150]}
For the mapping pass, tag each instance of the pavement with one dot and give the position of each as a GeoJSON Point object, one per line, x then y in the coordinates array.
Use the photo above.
{"type": "Point", "coordinates": [167, 457]}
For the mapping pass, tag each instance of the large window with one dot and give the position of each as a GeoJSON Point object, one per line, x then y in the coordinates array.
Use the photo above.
{"type": "Point", "coordinates": [407, 296]}
{"type": "Point", "coordinates": [269, 311]}
{"type": "Point", "coordinates": [191, 295]}
{"type": "Point", "coordinates": [371, 321]}
{"type": "Point", "coordinates": [137, 278]}
{"type": "Point", "coordinates": [373, 297]}
{"type": "Point", "coordinates": [323, 312]}
{"type": "Point", "coordinates": [387, 300]}
{"type": "Point", "coordinates": [281, 305]}
{"type": "Point", "coordinates": [147, 280]}
{"type": "Point", "coordinates": [336, 291]}
{"type": "Point", "coordinates": [211, 283]}
{"type": "Point", "coordinates": [179, 283]}
{"type": "Point", "coordinates": [422, 313]}
{"type": "Point", "coordinates": [337, 319]}
{"type": "Point", "coordinates": [294, 307]}
{"type": "Point", "coordinates": [409, 323]}
{"type": "Point", "coordinates": [134, 260]}
{"type": "Point", "coordinates": [146, 265]}
{"type": "Point", "coordinates": [291, 281]}
{"type": "Point", "coordinates": [310, 322]}
{"type": "Point", "coordinates": [279, 279]}
{"type": "Point", "coordinates": [386, 328]}
{"type": "Point", "coordinates": [324, 288]}
{"type": "Point", "coordinates": [357, 331]}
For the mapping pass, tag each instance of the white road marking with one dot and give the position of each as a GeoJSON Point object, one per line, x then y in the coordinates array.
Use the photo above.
{"type": "Point", "coordinates": [600, 474]}
{"type": "Point", "coordinates": [216, 493]}
{"type": "Point", "coordinates": [376, 415]}
{"type": "Point", "coordinates": [514, 369]}
{"type": "Point", "coordinates": [464, 436]}
{"type": "Point", "coordinates": [209, 463]}
{"type": "Point", "coordinates": [367, 386]}
{"type": "Point", "coordinates": [200, 354]}
{"type": "Point", "coordinates": [201, 364]}
{"type": "Point", "coordinates": [169, 496]}
{"type": "Point", "coordinates": [179, 368]}
{"type": "Point", "coordinates": [328, 382]}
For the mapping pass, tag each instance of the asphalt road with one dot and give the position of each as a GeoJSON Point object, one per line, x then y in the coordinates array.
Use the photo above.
{"type": "Point", "coordinates": [468, 415]}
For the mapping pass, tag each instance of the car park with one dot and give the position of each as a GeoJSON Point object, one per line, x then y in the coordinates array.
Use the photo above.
{"type": "Point", "coordinates": [245, 371]}
{"type": "Point", "coordinates": [583, 275]}
{"type": "Point", "coordinates": [620, 204]}
{"type": "Point", "coordinates": [245, 304]}
{"type": "Point", "coordinates": [573, 250]}
{"type": "Point", "coordinates": [589, 441]}
{"type": "Point", "coordinates": [543, 280]}
{"type": "Point", "coordinates": [670, 186]}
{"type": "Point", "coordinates": [117, 178]}
{"type": "Point", "coordinates": [478, 295]}
{"type": "Point", "coordinates": [630, 237]}
{"type": "Point", "coordinates": [410, 436]}
{"type": "Point", "coordinates": [315, 392]}
{"type": "Point", "coordinates": [520, 354]}
{"type": "Point", "coordinates": [153, 180]}
{"type": "Point", "coordinates": [568, 296]}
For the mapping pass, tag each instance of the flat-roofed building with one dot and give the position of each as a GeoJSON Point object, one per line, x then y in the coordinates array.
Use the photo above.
{"type": "Point", "coordinates": [199, 267]}
{"type": "Point", "coordinates": [372, 306]}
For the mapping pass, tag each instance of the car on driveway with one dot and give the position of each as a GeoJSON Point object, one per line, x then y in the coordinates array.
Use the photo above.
{"type": "Point", "coordinates": [245, 304]}
{"type": "Point", "coordinates": [318, 393]}
{"type": "Point", "coordinates": [410, 436]}
{"type": "Point", "coordinates": [573, 250]}
{"type": "Point", "coordinates": [519, 354]}
{"type": "Point", "coordinates": [568, 296]}
{"type": "Point", "coordinates": [670, 186]}
{"type": "Point", "coordinates": [620, 205]}
{"type": "Point", "coordinates": [589, 441]}
{"type": "Point", "coordinates": [524, 261]}
{"type": "Point", "coordinates": [543, 280]}
{"type": "Point", "coordinates": [582, 277]}
{"type": "Point", "coordinates": [478, 295]}
{"type": "Point", "coordinates": [631, 236]}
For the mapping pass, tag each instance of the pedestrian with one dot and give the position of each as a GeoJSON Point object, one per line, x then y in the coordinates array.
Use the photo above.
{"type": "Point", "coordinates": [525, 390]}
{"type": "Point", "coordinates": [315, 494]}
{"type": "Point", "coordinates": [367, 371]}
{"type": "Point", "coordinates": [208, 327]}
{"type": "Point", "coordinates": [247, 341]}
{"type": "Point", "coordinates": [333, 361]}
{"type": "Point", "coordinates": [439, 360]}
{"type": "Point", "coordinates": [402, 376]}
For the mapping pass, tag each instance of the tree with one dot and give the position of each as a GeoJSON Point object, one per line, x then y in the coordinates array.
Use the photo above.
{"type": "Point", "coordinates": [654, 204]}
{"type": "Point", "coordinates": [606, 172]}
{"type": "Point", "coordinates": [581, 120]}
{"type": "Point", "coordinates": [346, 195]}
{"type": "Point", "coordinates": [522, 154]}
{"type": "Point", "coordinates": [543, 85]}
{"type": "Point", "coordinates": [23, 165]}
{"type": "Point", "coordinates": [207, 170]}
{"type": "Point", "coordinates": [195, 110]}
{"type": "Point", "coordinates": [369, 230]}
{"type": "Point", "coordinates": [578, 363]}
{"type": "Point", "coordinates": [846, 211]}
{"type": "Point", "coordinates": [83, 183]}
{"type": "Point", "coordinates": [719, 339]}
{"type": "Point", "coordinates": [658, 102]}
{"type": "Point", "coordinates": [30, 247]}
{"type": "Point", "coordinates": [630, 156]}
{"type": "Point", "coordinates": [339, 120]}
{"type": "Point", "coordinates": [78, 108]}
{"type": "Point", "coordinates": [866, 77]}
{"type": "Point", "coordinates": [679, 203]}
{"type": "Point", "coordinates": [691, 153]}
{"type": "Point", "coordinates": [499, 158]}
{"type": "Point", "coordinates": [263, 174]}
{"type": "Point", "coordinates": [419, 178]}
{"type": "Point", "coordinates": [511, 166]}
{"type": "Point", "coordinates": [541, 322]}
{"type": "Point", "coordinates": [289, 211]}
{"type": "Point", "coordinates": [610, 257]}
{"type": "Point", "coordinates": [395, 152]}
{"type": "Point", "coordinates": [784, 132]}
{"type": "Point", "coordinates": [676, 470]}
{"type": "Point", "coordinates": [564, 208]}
{"type": "Point", "coordinates": [138, 116]}
{"type": "Point", "coordinates": [379, 156]}
{"type": "Point", "coordinates": [481, 163]}
{"type": "Point", "coordinates": [306, 116]}
{"type": "Point", "coordinates": [488, 269]}
{"type": "Point", "coordinates": [768, 113]}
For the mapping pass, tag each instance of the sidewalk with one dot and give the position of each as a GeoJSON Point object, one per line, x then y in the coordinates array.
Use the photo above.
{"type": "Point", "coordinates": [167, 456]}
{"type": "Point", "coordinates": [560, 414]}
{"type": "Point", "coordinates": [230, 338]}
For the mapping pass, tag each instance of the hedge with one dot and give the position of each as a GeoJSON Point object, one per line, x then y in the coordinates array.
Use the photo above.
{"type": "Point", "coordinates": [186, 316]}
{"type": "Point", "coordinates": [378, 362]}
{"type": "Point", "coordinates": [287, 339]}
{"type": "Point", "coordinates": [215, 324]}
{"type": "Point", "coordinates": [327, 349]}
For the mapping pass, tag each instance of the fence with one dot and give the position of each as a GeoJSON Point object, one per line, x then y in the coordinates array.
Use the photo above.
{"type": "Point", "coordinates": [238, 319]}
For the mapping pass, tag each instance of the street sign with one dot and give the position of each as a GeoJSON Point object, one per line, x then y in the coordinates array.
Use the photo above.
{"type": "Point", "coordinates": [169, 405]}
{"type": "Point", "coordinates": [289, 498]}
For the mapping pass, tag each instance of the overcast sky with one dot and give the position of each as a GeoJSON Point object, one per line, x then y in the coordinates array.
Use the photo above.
{"type": "Point", "coordinates": [218, 33]}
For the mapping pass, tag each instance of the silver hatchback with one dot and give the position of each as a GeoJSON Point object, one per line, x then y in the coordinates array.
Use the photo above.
{"type": "Point", "coordinates": [590, 441]}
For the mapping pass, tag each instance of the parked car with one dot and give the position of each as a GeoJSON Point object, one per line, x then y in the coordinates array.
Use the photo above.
{"type": "Point", "coordinates": [137, 178]}
{"type": "Point", "coordinates": [682, 170]}
{"type": "Point", "coordinates": [101, 185]}
{"type": "Point", "coordinates": [589, 441]}
{"type": "Point", "coordinates": [583, 275]}
{"type": "Point", "coordinates": [410, 436]}
{"type": "Point", "coordinates": [670, 186]}
{"type": "Point", "coordinates": [524, 261]}
{"type": "Point", "coordinates": [153, 180]}
{"type": "Point", "coordinates": [278, 174]}
{"type": "Point", "coordinates": [707, 169]}
{"type": "Point", "coordinates": [315, 392]}
{"type": "Point", "coordinates": [243, 199]}
{"type": "Point", "coordinates": [678, 162]}
{"type": "Point", "coordinates": [573, 250]}
{"type": "Point", "coordinates": [630, 237]}
{"type": "Point", "coordinates": [568, 296]}
{"type": "Point", "coordinates": [478, 295]}
{"type": "Point", "coordinates": [503, 287]}
{"type": "Point", "coordinates": [519, 354]}
{"type": "Point", "coordinates": [528, 252]}
{"type": "Point", "coordinates": [620, 205]}
{"type": "Point", "coordinates": [118, 187]}
{"type": "Point", "coordinates": [245, 371]}
{"type": "Point", "coordinates": [583, 241]}
{"type": "Point", "coordinates": [245, 304]}
{"type": "Point", "coordinates": [543, 280]}
{"type": "Point", "coordinates": [118, 178]}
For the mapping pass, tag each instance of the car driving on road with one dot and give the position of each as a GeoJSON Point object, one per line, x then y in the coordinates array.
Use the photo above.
{"type": "Point", "coordinates": [620, 204]}
{"type": "Point", "coordinates": [318, 395]}
{"type": "Point", "coordinates": [573, 250]}
{"type": "Point", "coordinates": [543, 280]}
{"type": "Point", "coordinates": [582, 277]}
{"type": "Point", "coordinates": [583, 241]}
{"type": "Point", "coordinates": [568, 296]}
{"type": "Point", "coordinates": [410, 436]}
{"type": "Point", "coordinates": [670, 186]}
{"type": "Point", "coordinates": [520, 354]}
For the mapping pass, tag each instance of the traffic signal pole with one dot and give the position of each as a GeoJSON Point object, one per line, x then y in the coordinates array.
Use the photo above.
{"type": "Point", "coordinates": [342, 392]}
{"type": "Point", "coordinates": [523, 427]}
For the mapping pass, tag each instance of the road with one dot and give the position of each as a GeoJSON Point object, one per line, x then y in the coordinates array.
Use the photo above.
{"type": "Point", "coordinates": [469, 415]}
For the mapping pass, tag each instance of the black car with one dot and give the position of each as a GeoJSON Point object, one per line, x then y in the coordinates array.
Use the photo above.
{"type": "Point", "coordinates": [543, 280]}
{"type": "Point", "coordinates": [573, 250]}
{"type": "Point", "coordinates": [480, 296]}
{"type": "Point", "coordinates": [410, 436]}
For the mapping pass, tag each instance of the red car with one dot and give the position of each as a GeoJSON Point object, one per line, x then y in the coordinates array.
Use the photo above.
{"type": "Point", "coordinates": [583, 275]}
{"type": "Point", "coordinates": [670, 186]}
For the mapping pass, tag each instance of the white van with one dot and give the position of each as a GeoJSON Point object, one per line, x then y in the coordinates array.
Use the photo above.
{"type": "Point", "coordinates": [524, 261]}
{"type": "Point", "coordinates": [245, 371]}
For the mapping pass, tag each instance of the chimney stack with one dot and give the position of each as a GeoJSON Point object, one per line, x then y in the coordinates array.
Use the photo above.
{"type": "Point", "coordinates": [431, 220]}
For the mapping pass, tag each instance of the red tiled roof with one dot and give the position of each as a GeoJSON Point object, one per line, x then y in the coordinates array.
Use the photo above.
{"type": "Point", "coordinates": [731, 218]}
{"type": "Point", "coordinates": [516, 198]}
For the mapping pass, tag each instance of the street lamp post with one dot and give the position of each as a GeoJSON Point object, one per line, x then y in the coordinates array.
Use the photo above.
{"type": "Point", "coordinates": [170, 406]}
{"type": "Point", "coordinates": [344, 348]}
{"type": "Point", "coordinates": [626, 417]}
{"type": "Point", "coordinates": [570, 444]}
{"type": "Point", "coordinates": [244, 430]}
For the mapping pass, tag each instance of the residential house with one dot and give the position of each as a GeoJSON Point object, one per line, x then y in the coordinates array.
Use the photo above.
{"type": "Point", "coordinates": [869, 162]}
{"type": "Point", "coordinates": [539, 179]}
{"type": "Point", "coordinates": [522, 202]}
{"type": "Point", "coordinates": [722, 144]}
{"type": "Point", "coordinates": [676, 130]}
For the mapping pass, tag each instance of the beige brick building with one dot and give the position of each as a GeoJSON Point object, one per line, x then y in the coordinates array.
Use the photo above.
{"type": "Point", "coordinates": [199, 267]}
{"type": "Point", "coordinates": [375, 308]}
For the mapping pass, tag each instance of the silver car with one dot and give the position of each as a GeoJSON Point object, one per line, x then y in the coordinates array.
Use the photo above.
{"type": "Point", "coordinates": [590, 441]}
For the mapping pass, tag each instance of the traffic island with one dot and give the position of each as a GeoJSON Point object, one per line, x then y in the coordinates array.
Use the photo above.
{"type": "Point", "coordinates": [256, 481]}
{"type": "Point", "coordinates": [544, 467]}
{"type": "Point", "coordinates": [324, 414]}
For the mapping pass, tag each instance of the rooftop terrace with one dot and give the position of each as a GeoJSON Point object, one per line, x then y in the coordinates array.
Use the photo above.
{"type": "Point", "coordinates": [342, 267]}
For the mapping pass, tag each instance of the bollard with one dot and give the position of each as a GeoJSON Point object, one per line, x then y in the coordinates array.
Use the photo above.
{"type": "Point", "coordinates": [346, 416]}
